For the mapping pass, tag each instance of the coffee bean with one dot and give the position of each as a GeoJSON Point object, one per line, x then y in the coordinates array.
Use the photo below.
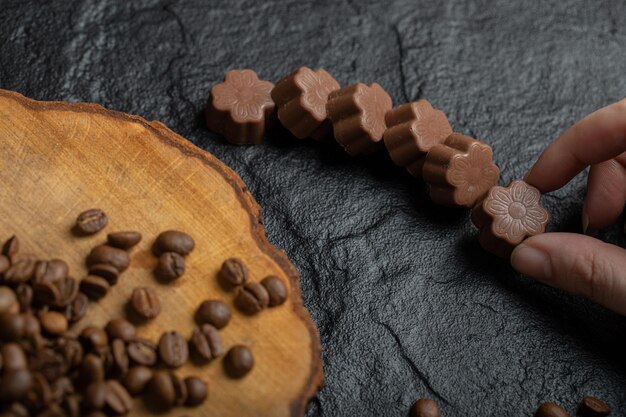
{"type": "Point", "coordinates": [206, 342]}
{"type": "Point", "coordinates": [145, 302]}
{"type": "Point", "coordinates": [137, 379]}
{"type": "Point", "coordinates": [49, 363]}
{"type": "Point", "coordinates": [120, 357]}
{"type": "Point", "coordinates": [91, 369]}
{"type": "Point", "coordinates": [425, 407]}
{"type": "Point", "coordinates": [10, 247]}
{"type": "Point", "coordinates": [123, 240]}
{"type": "Point", "coordinates": [214, 312]}
{"type": "Point", "coordinates": [11, 327]}
{"type": "Point", "coordinates": [68, 290]}
{"type": "Point", "coordinates": [173, 349]}
{"type": "Point", "coordinates": [5, 263]}
{"type": "Point", "coordinates": [94, 287]}
{"type": "Point", "coordinates": [61, 388]}
{"type": "Point", "coordinates": [106, 271]}
{"type": "Point", "coordinates": [551, 410]}
{"type": "Point", "coordinates": [94, 339]}
{"type": "Point", "coordinates": [91, 221]}
{"type": "Point", "coordinates": [173, 241]}
{"type": "Point", "coordinates": [161, 391]}
{"type": "Point", "coordinates": [120, 329]}
{"type": "Point", "coordinates": [95, 396]}
{"type": "Point", "coordinates": [45, 293]}
{"type": "Point", "coordinates": [593, 407]}
{"type": "Point", "coordinates": [50, 271]}
{"type": "Point", "coordinates": [105, 254]}
{"type": "Point", "coordinates": [40, 393]}
{"type": "Point", "coordinates": [53, 322]}
{"type": "Point", "coordinates": [24, 293]}
{"type": "Point", "coordinates": [70, 349]}
{"type": "Point", "coordinates": [251, 298]}
{"type": "Point", "coordinates": [117, 398]}
{"type": "Point", "coordinates": [197, 391]}
{"type": "Point", "coordinates": [142, 352]}
{"type": "Point", "coordinates": [180, 389]}
{"type": "Point", "coordinates": [276, 290]}
{"type": "Point", "coordinates": [170, 267]}
{"type": "Point", "coordinates": [14, 385]}
{"type": "Point", "coordinates": [8, 301]}
{"type": "Point", "coordinates": [77, 309]}
{"type": "Point", "coordinates": [16, 410]}
{"type": "Point", "coordinates": [32, 327]}
{"type": "Point", "coordinates": [71, 405]}
{"type": "Point", "coordinates": [13, 357]}
{"type": "Point", "coordinates": [233, 273]}
{"type": "Point", "coordinates": [238, 361]}
{"type": "Point", "coordinates": [20, 271]}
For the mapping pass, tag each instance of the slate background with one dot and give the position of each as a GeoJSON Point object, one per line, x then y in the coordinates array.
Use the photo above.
{"type": "Point", "coordinates": [406, 302]}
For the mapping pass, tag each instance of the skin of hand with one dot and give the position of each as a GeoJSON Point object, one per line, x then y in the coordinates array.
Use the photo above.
{"type": "Point", "coordinates": [573, 262]}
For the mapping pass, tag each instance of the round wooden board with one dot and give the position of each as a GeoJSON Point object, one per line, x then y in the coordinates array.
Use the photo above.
{"type": "Point", "coordinates": [58, 159]}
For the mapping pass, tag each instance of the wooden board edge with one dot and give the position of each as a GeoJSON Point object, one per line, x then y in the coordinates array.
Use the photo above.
{"type": "Point", "coordinates": [168, 137]}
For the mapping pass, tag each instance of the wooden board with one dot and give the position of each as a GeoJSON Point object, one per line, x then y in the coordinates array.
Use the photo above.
{"type": "Point", "coordinates": [58, 159]}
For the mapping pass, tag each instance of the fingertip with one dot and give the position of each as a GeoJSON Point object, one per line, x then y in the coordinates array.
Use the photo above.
{"type": "Point", "coordinates": [532, 261]}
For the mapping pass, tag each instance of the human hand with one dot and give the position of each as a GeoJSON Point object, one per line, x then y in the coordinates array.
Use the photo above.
{"type": "Point", "coordinates": [578, 263]}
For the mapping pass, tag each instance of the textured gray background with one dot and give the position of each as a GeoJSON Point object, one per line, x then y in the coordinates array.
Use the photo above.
{"type": "Point", "coordinates": [406, 302]}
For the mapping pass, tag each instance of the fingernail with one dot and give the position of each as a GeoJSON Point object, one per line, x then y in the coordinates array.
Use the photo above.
{"type": "Point", "coordinates": [532, 262]}
{"type": "Point", "coordinates": [586, 230]}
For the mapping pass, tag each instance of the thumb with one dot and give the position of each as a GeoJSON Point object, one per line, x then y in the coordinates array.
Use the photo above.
{"type": "Point", "coordinates": [578, 264]}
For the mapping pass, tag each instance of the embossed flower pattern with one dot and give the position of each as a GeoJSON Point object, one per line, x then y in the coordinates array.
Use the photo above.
{"type": "Point", "coordinates": [374, 103]}
{"type": "Point", "coordinates": [430, 126]}
{"type": "Point", "coordinates": [243, 95]}
{"type": "Point", "coordinates": [315, 89]}
{"type": "Point", "coordinates": [473, 174]}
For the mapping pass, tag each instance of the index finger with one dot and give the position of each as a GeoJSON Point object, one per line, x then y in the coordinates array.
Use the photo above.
{"type": "Point", "coordinates": [596, 138]}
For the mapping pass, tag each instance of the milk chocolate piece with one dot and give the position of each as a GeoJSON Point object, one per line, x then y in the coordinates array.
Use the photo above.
{"type": "Point", "coordinates": [301, 100]}
{"type": "Point", "coordinates": [460, 171]}
{"type": "Point", "coordinates": [241, 107]}
{"type": "Point", "coordinates": [412, 129]}
{"type": "Point", "coordinates": [358, 116]}
{"type": "Point", "coordinates": [507, 216]}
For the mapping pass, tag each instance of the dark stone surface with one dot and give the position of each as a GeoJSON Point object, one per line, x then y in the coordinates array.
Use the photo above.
{"type": "Point", "coordinates": [406, 302]}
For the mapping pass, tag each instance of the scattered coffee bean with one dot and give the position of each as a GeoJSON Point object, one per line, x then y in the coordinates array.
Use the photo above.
{"type": "Point", "coordinates": [105, 254]}
{"type": "Point", "coordinates": [70, 348]}
{"type": "Point", "coordinates": [142, 352]}
{"type": "Point", "coordinates": [137, 379]}
{"type": "Point", "coordinates": [53, 322]}
{"type": "Point", "coordinates": [46, 293]}
{"type": "Point", "coordinates": [120, 356]}
{"type": "Point", "coordinates": [71, 405]}
{"type": "Point", "coordinates": [214, 312]}
{"type": "Point", "coordinates": [238, 361]}
{"type": "Point", "coordinates": [20, 271]}
{"type": "Point", "coordinates": [5, 263]}
{"type": "Point", "coordinates": [197, 391]}
{"type": "Point", "coordinates": [91, 369]}
{"type": "Point", "coordinates": [161, 392]}
{"type": "Point", "coordinates": [61, 388]}
{"type": "Point", "coordinates": [551, 410]}
{"type": "Point", "coordinates": [91, 221]}
{"type": "Point", "coordinates": [50, 271]}
{"type": "Point", "coordinates": [49, 363]}
{"type": "Point", "coordinates": [94, 287]}
{"type": "Point", "coordinates": [425, 407]}
{"type": "Point", "coordinates": [68, 290]}
{"type": "Point", "coordinates": [11, 247]}
{"type": "Point", "coordinates": [276, 290]}
{"type": "Point", "coordinates": [106, 271]}
{"type": "Point", "coordinates": [40, 394]}
{"type": "Point", "coordinates": [173, 241]}
{"type": "Point", "coordinates": [233, 273]}
{"type": "Point", "coordinates": [95, 395]}
{"type": "Point", "coordinates": [180, 389]}
{"type": "Point", "coordinates": [206, 342]}
{"type": "Point", "coordinates": [117, 398]}
{"type": "Point", "coordinates": [94, 339]}
{"type": "Point", "coordinates": [24, 293]}
{"type": "Point", "coordinates": [173, 349]}
{"type": "Point", "coordinates": [77, 309]}
{"type": "Point", "coordinates": [124, 240]}
{"type": "Point", "coordinates": [8, 301]}
{"type": "Point", "coordinates": [593, 407]}
{"type": "Point", "coordinates": [145, 302]}
{"type": "Point", "coordinates": [170, 267]}
{"type": "Point", "coordinates": [12, 327]}
{"type": "Point", "coordinates": [15, 385]}
{"type": "Point", "coordinates": [32, 327]}
{"type": "Point", "coordinates": [13, 357]}
{"type": "Point", "coordinates": [120, 329]}
{"type": "Point", "coordinates": [251, 298]}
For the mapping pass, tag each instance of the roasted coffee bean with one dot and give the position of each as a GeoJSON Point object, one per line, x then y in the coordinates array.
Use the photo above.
{"type": "Point", "coordinates": [105, 254]}
{"type": "Point", "coordinates": [142, 352]}
{"type": "Point", "coordinates": [145, 302]}
{"type": "Point", "coordinates": [40, 393]}
{"type": "Point", "coordinates": [94, 339]}
{"type": "Point", "coordinates": [50, 271]}
{"type": "Point", "coordinates": [117, 398]}
{"type": "Point", "coordinates": [91, 370]}
{"type": "Point", "coordinates": [233, 273]}
{"type": "Point", "coordinates": [77, 309]}
{"type": "Point", "coordinates": [180, 389]}
{"type": "Point", "coordinates": [24, 293]}
{"type": "Point", "coordinates": [46, 293]}
{"type": "Point", "coordinates": [136, 379]}
{"type": "Point", "coordinates": [10, 247]}
{"type": "Point", "coordinates": [120, 357]}
{"type": "Point", "coordinates": [53, 323]}
{"type": "Point", "coordinates": [16, 410]}
{"type": "Point", "coordinates": [61, 388]}
{"type": "Point", "coordinates": [161, 391]}
{"type": "Point", "coordinates": [276, 290]}
{"type": "Point", "coordinates": [71, 406]}
{"type": "Point", "coordinates": [170, 267]}
{"type": "Point", "coordinates": [11, 327]}
{"type": "Point", "coordinates": [173, 349]}
{"type": "Point", "coordinates": [238, 361]}
{"type": "Point", "coordinates": [214, 312]}
{"type": "Point", "coordinates": [14, 385]}
{"type": "Point", "coordinates": [106, 271]}
{"type": "Point", "coordinates": [32, 327]}
{"type": "Point", "coordinates": [118, 328]}
{"type": "Point", "coordinates": [425, 407]}
{"type": "Point", "coordinates": [71, 350]}
{"type": "Point", "coordinates": [8, 301]}
{"type": "Point", "coordinates": [91, 221]}
{"type": "Point", "coordinates": [551, 410]}
{"type": "Point", "coordinates": [68, 289]}
{"type": "Point", "coordinates": [206, 342]}
{"type": "Point", "coordinates": [197, 391]}
{"type": "Point", "coordinates": [123, 240]}
{"type": "Point", "coordinates": [20, 271]}
{"type": "Point", "coordinates": [593, 407]}
{"type": "Point", "coordinates": [95, 395]}
{"type": "Point", "coordinates": [13, 357]}
{"type": "Point", "coordinates": [251, 298]}
{"type": "Point", "coordinates": [5, 263]}
{"type": "Point", "coordinates": [173, 241]}
{"type": "Point", "coordinates": [94, 287]}
{"type": "Point", "coordinates": [49, 363]}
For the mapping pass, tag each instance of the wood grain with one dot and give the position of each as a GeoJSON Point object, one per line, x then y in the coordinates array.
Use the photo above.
{"type": "Point", "coordinates": [58, 159]}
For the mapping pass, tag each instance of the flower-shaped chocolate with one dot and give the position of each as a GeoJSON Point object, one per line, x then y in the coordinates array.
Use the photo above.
{"type": "Point", "coordinates": [240, 107]}
{"type": "Point", "coordinates": [412, 129]}
{"type": "Point", "coordinates": [460, 171]}
{"type": "Point", "coordinates": [508, 215]}
{"type": "Point", "coordinates": [358, 116]}
{"type": "Point", "coordinates": [301, 101]}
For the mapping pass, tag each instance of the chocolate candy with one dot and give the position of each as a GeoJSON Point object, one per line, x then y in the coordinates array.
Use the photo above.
{"type": "Point", "coordinates": [507, 216]}
{"type": "Point", "coordinates": [358, 116]}
{"type": "Point", "coordinates": [412, 129]}
{"type": "Point", "coordinates": [301, 100]}
{"type": "Point", "coordinates": [460, 171]}
{"type": "Point", "coordinates": [593, 407]}
{"type": "Point", "coordinates": [241, 107]}
{"type": "Point", "coordinates": [550, 409]}
{"type": "Point", "coordinates": [425, 407]}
